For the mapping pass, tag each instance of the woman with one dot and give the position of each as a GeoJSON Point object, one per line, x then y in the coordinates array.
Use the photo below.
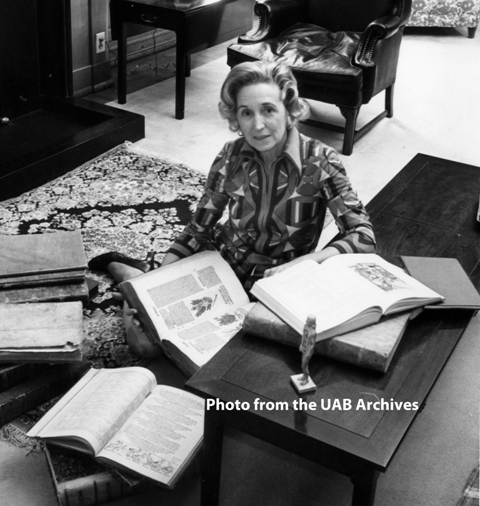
{"type": "Point", "coordinates": [275, 183]}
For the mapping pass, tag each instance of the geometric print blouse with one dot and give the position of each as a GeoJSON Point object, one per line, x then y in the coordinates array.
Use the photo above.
{"type": "Point", "coordinates": [259, 218]}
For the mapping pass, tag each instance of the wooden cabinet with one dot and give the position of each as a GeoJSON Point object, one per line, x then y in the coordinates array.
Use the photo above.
{"type": "Point", "coordinates": [48, 132]}
{"type": "Point", "coordinates": [19, 70]}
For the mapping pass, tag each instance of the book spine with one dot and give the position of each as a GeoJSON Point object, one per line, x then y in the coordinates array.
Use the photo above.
{"type": "Point", "coordinates": [18, 285]}
{"type": "Point", "coordinates": [343, 352]}
{"type": "Point", "coordinates": [13, 374]}
{"type": "Point", "coordinates": [91, 490]}
{"type": "Point", "coordinates": [54, 293]}
{"type": "Point", "coordinates": [33, 392]}
{"type": "Point", "coordinates": [134, 301]}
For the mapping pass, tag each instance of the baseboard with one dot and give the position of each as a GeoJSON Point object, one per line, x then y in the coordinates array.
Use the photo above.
{"type": "Point", "coordinates": [91, 78]}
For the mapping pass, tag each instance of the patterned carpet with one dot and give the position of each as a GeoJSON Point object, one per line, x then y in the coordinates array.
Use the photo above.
{"type": "Point", "coordinates": [125, 200]}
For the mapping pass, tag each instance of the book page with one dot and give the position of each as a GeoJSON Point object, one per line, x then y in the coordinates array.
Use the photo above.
{"type": "Point", "coordinates": [337, 290]}
{"type": "Point", "coordinates": [161, 437]}
{"type": "Point", "coordinates": [306, 289]}
{"type": "Point", "coordinates": [197, 303]}
{"type": "Point", "coordinates": [97, 406]}
{"type": "Point", "coordinates": [201, 341]}
{"type": "Point", "coordinates": [392, 284]}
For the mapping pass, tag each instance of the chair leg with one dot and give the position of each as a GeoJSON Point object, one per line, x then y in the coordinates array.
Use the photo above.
{"type": "Point", "coordinates": [389, 101]}
{"type": "Point", "coordinates": [350, 114]}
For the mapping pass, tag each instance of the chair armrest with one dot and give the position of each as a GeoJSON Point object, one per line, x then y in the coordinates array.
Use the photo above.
{"type": "Point", "coordinates": [274, 16]}
{"type": "Point", "coordinates": [381, 28]}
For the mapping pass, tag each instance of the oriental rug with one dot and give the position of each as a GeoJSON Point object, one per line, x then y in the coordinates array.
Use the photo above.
{"type": "Point", "coordinates": [125, 200]}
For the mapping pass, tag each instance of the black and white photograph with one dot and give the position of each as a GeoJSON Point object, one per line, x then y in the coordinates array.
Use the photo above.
{"type": "Point", "coordinates": [239, 252]}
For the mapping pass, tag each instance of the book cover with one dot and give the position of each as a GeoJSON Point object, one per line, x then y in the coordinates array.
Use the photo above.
{"type": "Point", "coordinates": [41, 253]}
{"type": "Point", "coordinates": [84, 482]}
{"type": "Point", "coordinates": [371, 347]}
{"type": "Point", "coordinates": [49, 278]}
{"type": "Point", "coordinates": [39, 389]}
{"type": "Point", "coordinates": [446, 276]}
{"type": "Point", "coordinates": [49, 293]}
{"type": "Point", "coordinates": [48, 332]}
{"type": "Point", "coordinates": [13, 374]}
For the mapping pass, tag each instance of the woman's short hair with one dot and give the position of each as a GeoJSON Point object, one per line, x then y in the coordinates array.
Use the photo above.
{"type": "Point", "coordinates": [247, 73]}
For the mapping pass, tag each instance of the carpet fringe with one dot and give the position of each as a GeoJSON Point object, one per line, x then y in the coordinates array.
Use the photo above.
{"type": "Point", "coordinates": [14, 433]}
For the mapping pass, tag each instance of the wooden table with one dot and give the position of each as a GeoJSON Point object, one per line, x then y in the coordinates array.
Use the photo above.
{"type": "Point", "coordinates": [198, 24]}
{"type": "Point", "coordinates": [428, 209]}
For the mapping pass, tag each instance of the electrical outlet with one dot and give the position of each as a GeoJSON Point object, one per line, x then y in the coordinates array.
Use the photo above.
{"type": "Point", "coordinates": [100, 42]}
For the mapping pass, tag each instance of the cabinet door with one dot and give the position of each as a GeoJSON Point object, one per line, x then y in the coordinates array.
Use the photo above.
{"type": "Point", "coordinates": [19, 70]}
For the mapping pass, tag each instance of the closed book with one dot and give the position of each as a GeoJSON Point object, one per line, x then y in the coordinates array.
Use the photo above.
{"type": "Point", "coordinates": [82, 481]}
{"type": "Point", "coordinates": [49, 332]}
{"type": "Point", "coordinates": [35, 391]}
{"type": "Point", "coordinates": [49, 278]}
{"type": "Point", "coordinates": [13, 374]}
{"type": "Point", "coordinates": [48, 293]}
{"type": "Point", "coordinates": [371, 347]}
{"type": "Point", "coordinates": [41, 253]}
{"type": "Point", "coordinates": [446, 276]}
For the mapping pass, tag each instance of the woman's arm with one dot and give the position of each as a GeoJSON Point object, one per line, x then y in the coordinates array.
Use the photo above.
{"type": "Point", "coordinates": [348, 211]}
{"type": "Point", "coordinates": [198, 233]}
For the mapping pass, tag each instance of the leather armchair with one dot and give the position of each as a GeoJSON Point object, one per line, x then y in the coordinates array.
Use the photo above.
{"type": "Point", "coordinates": [341, 52]}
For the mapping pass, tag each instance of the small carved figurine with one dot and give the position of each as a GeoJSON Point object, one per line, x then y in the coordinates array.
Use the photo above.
{"type": "Point", "coordinates": [307, 346]}
{"type": "Point", "coordinates": [302, 382]}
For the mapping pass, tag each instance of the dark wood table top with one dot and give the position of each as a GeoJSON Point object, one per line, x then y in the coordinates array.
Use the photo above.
{"type": "Point", "coordinates": [179, 5]}
{"type": "Point", "coordinates": [427, 210]}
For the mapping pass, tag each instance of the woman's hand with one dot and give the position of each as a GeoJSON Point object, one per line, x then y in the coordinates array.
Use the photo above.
{"type": "Point", "coordinates": [137, 339]}
{"type": "Point", "coordinates": [317, 256]}
{"type": "Point", "coordinates": [283, 267]}
{"type": "Point", "coordinates": [127, 310]}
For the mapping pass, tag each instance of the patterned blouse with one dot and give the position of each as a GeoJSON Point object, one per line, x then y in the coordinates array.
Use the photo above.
{"type": "Point", "coordinates": [277, 215]}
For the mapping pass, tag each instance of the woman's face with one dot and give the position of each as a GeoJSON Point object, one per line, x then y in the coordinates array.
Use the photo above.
{"type": "Point", "coordinates": [263, 118]}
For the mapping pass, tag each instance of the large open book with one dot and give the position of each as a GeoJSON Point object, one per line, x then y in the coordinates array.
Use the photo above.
{"type": "Point", "coordinates": [345, 293]}
{"type": "Point", "coordinates": [192, 307]}
{"type": "Point", "coordinates": [124, 419]}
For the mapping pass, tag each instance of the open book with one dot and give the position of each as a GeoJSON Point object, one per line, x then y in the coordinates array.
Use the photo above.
{"type": "Point", "coordinates": [124, 419]}
{"type": "Point", "coordinates": [345, 292]}
{"type": "Point", "coordinates": [192, 307]}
